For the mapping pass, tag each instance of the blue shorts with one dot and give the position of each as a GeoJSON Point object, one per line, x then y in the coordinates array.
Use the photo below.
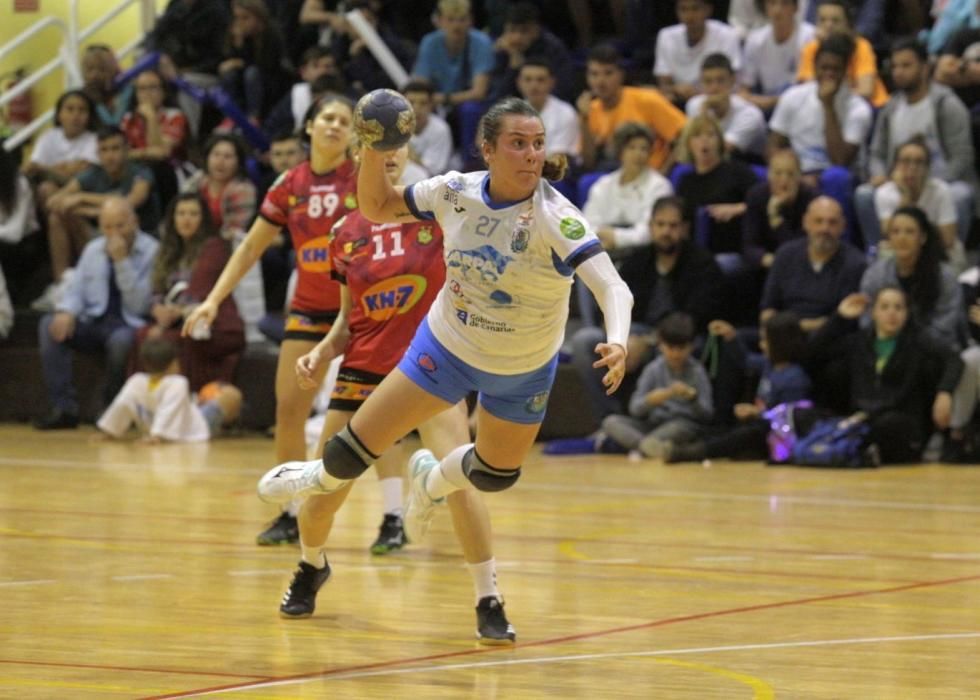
{"type": "Point", "coordinates": [519, 398]}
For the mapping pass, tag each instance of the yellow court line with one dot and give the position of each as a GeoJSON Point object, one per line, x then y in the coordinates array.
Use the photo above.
{"type": "Point", "coordinates": [760, 689]}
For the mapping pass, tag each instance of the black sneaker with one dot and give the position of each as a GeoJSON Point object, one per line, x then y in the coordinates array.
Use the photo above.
{"type": "Point", "coordinates": [391, 536]}
{"type": "Point", "coordinates": [299, 601]}
{"type": "Point", "coordinates": [492, 627]}
{"type": "Point", "coordinates": [283, 530]}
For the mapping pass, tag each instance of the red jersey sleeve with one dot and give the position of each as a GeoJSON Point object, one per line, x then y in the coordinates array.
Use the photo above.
{"type": "Point", "coordinates": [278, 200]}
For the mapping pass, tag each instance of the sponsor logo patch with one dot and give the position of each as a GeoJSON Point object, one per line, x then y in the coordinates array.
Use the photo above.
{"type": "Point", "coordinates": [571, 228]}
{"type": "Point", "coordinates": [537, 403]}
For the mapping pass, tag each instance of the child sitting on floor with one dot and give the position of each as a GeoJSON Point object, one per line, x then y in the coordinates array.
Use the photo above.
{"type": "Point", "coordinates": [160, 403]}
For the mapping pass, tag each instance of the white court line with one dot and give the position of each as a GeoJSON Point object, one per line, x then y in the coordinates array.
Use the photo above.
{"type": "Point", "coordinates": [36, 582]}
{"type": "Point", "coordinates": [586, 657]}
{"type": "Point", "coordinates": [142, 577]}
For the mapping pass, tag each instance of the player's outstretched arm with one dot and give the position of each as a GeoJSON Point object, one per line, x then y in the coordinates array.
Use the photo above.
{"type": "Point", "coordinates": [379, 200]}
{"type": "Point", "coordinates": [326, 350]}
{"type": "Point", "coordinates": [616, 302]}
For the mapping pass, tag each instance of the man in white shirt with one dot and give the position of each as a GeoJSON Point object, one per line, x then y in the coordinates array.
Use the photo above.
{"type": "Point", "coordinates": [822, 120]}
{"type": "Point", "coordinates": [743, 123]}
{"type": "Point", "coordinates": [432, 145]}
{"type": "Point", "coordinates": [535, 82]}
{"type": "Point", "coordinates": [682, 47]}
{"type": "Point", "coordinates": [746, 16]}
{"type": "Point", "coordinates": [772, 53]}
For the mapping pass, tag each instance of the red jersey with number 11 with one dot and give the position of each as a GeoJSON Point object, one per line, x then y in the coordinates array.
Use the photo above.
{"type": "Point", "coordinates": [309, 205]}
{"type": "Point", "coordinates": [393, 272]}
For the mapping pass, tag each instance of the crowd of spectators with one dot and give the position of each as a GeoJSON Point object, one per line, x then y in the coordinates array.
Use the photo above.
{"type": "Point", "coordinates": [744, 161]}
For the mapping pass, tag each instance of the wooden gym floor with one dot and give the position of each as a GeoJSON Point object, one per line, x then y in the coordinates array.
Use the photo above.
{"type": "Point", "coordinates": [128, 571]}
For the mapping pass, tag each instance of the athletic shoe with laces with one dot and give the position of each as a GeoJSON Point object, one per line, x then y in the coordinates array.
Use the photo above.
{"type": "Point", "coordinates": [290, 481]}
{"type": "Point", "coordinates": [391, 535]}
{"type": "Point", "coordinates": [492, 627]}
{"type": "Point", "coordinates": [420, 506]}
{"type": "Point", "coordinates": [283, 530]}
{"type": "Point", "coordinates": [299, 601]}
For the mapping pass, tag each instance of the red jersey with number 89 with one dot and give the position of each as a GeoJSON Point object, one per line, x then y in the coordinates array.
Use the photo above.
{"type": "Point", "coordinates": [393, 272]}
{"type": "Point", "coordinates": [309, 205]}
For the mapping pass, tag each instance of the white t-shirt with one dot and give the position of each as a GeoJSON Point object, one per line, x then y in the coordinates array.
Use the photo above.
{"type": "Point", "coordinates": [509, 270]}
{"type": "Point", "coordinates": [682, 62]}
{"type": "Point", "coordinates": [799, 117]}
{"type": "Point", "coordinates": [919, 118]}
{"type": "Point", "coordinates": [164, 408]}
{"type": "Point", "coordinates": [744, 124]}
{"type": "Point", "coordinates": [626, 208]}
{"type": "Point", "coordinates": [561, 131]}
{"type": "Point", "coordinates": [53, 148]}
{"type": "Point", "coordinates": [300, 99]}
{"type": "Point", "coordinates": [434, 145]}
{"type": "Point", "coordinates": [936, 201]}
{"type": "Point", "coordinates": [745, 16]}
{"type": "Point", "coordinates": [769, 67]}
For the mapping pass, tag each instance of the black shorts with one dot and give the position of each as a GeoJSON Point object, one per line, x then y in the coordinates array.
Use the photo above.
{"type": "Point", "coordinates": [308, 325]}
{"type": "Point", "coordinates": [353, 386]}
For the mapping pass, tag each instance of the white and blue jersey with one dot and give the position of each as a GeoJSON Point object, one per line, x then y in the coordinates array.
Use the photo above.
{"type": "Point", "coordinates": [509, 270]}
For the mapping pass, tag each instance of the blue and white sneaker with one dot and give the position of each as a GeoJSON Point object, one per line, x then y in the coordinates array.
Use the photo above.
{"type": "Point", "coordinates": [420, 506]}
{"type": "Point", "coordinates": [290, 481]}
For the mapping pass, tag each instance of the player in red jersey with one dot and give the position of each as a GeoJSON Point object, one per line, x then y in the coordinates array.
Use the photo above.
{"type": "Point", "coordinates": [389, 276]}
{"type": "Point", "coordinates": [307, 199]}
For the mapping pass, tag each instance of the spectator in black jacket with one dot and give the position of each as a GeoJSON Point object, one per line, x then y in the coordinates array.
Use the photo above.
{"type": "Point", "coordinates": [901, 378]}
{"type": "Point", "coordinates": [524, 37]}
{"type": "Point", "coordinates": [669, 274]}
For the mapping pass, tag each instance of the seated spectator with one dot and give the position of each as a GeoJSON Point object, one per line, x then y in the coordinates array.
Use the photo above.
{"type": "Point", "coordinates": [231, 200]}
{"type": "Point", "coordinates": [522, 38]}
{"type": "Point", "coordinates": [20, 244]}
{"type": "Point", "coordinates": [900, 378]}
{"type": "Point", "coordinates": [99, 72]}
{"type": "Point", "coordinates": [961, 445]}
{"type": "Point", "coordinates": [742, 122]}
{"type": "Point", "coordinates": [535, 82]}
{"type": "Point", "coordinates": [287, 114]}
{"type": "Point", "coordinates": [672, 401]}
{"type": "Point", "coordinates": [916, 265]}
{"type": "Point", "coordinates": [717, 183]}
{"type": "Point", "coordinates": [772, 53]}
{"type": "Point", "coordinates": [187, 35]}
{"type": "Point", "coordinates": [156, 132]}
{"type": "Point", "coordinates": [252, 70]}
{"type": "Point", "coordinates": [809, 276]}
{"type": "Point", "coordinates": [286, 151]}
{"type": "Point", "coordinates": [922, 107]}
{"type": "Point", "coordinates": [191, 257]}
{"type": "Point", "coordinates": [822, 120]}
{"type": "Point", "coordinates": [774, 210]}
{"type": "Point", "coordinates": [952, 17]}
{"type": "Point", "coordinates": [868, 17]}
{"type": "Point", "coordinates": [682, 48]}
{"type": "Point", "coordinates": [783, 380]}
{"type": "Point", "coordinates": [74, 209]}
{"type": "Point", "coordinates": [669, 274]}
{"type": "Point", "coordinates": [619, 203]}
{"type": "Point", "coordinates": [456, 59]}
{"type": "Point", "coordinates": [911, 185]}
{"type": "Point", "coordinates": [607, 104]}
{"type": "Point", "coordinates": [99, 312]}
{"type": "Point", "coordinates": [326, 16]}
{"type": "Point", "coordinates": [747, 16]}
{"type": "Point", "coordinates": [959, 66]}
{"type": "Point", "coordinates": [67, 148]}
{"type": "Point", "coordinates": [159, 402]}
{"type": "Point", "coordinates": [432, 144]}
{"type": "Point", "coordinates": [834, 17]}
{"type": "Point", "coordinates": [361, 69]}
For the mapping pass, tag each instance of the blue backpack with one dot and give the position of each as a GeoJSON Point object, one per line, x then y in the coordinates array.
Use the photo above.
{"type": "Point", "coordinates": [834, 442]}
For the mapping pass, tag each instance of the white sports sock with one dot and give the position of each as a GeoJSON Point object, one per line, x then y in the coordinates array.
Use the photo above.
{"type": "Point", "coordinates": [391, 495]}
{"type": "Point", "coordinates": [314, 556]}
{"type": "Point", "coordinates": [293, 507]}
{"type": "Point", "coordinates": [328, 482]}
{"type": "Point", "coordinates": [484, 578]}
{"type": "Point", "coordinates": [448, 476]}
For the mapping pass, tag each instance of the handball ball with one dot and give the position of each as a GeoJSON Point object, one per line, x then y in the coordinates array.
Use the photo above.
{"type": "Point", "coordinates": [384, 120]}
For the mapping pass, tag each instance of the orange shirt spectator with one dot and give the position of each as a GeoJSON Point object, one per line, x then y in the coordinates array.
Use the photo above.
{"type": "Point", "coordinates": [641, 105]}
{"type": "Point", "coordinates": [863, 63]}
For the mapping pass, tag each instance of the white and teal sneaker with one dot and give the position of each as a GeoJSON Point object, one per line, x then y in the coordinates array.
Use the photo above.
{"type": "Point", "coordinates": [420, 506]}
{"type": "Point", "coordinates": [291, 480]}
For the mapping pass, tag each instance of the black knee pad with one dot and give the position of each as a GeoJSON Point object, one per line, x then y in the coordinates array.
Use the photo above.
{"type": "Point", "coordinates": [344, 457]}
{"type": "Point", "coordinates": [487, 478]}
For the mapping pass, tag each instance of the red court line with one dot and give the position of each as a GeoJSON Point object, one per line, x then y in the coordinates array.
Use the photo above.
{"type": "Point", "coordinates": [571, 638]}
{"type": "Point", "coordinates": [138, 669]}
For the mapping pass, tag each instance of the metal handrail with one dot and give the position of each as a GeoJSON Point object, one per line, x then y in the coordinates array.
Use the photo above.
{"type": "Point", "coordinates": [67, 57]}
